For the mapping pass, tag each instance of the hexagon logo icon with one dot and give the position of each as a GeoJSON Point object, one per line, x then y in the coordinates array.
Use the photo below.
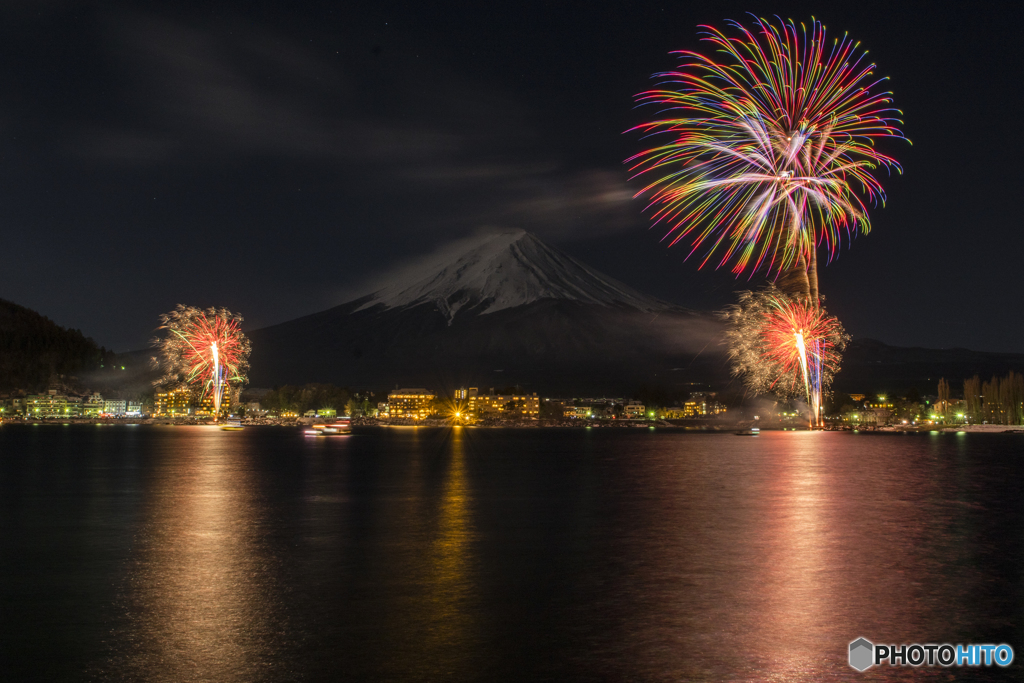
{"type": "Point", "coordinates": [861, 653]}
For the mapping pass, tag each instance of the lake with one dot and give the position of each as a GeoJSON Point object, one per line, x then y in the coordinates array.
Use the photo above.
{"type": "Point", "coordinates": [193, 554]}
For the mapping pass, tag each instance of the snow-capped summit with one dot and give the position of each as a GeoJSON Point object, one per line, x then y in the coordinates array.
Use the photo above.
{"type": "Point", "coordinates": [497, 310]}
{"type": "Point", "coordinates": [500, 271]}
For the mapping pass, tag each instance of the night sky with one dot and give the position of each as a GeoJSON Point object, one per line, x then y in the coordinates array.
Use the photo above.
{"type": "Point", "coordinates": [274, 157]}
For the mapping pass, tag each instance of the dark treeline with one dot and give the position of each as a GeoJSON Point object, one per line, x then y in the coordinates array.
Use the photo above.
{"type": "Point", "coordinates": [998, 401]}
{"type": "Point", "coordinates": [34, 350]}
{"type": "Point", "coordinates": [299, 399]}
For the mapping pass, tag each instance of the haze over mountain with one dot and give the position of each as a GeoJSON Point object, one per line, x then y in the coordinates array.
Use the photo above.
{"type": "Point", "coordinates": [506, 309]}
{"type": "Point", "coordinates": [498, 310]}
{"type": "Point", "coordinates": [503, 309]}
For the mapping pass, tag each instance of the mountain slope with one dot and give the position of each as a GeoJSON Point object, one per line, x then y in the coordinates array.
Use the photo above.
{"type": "Point", "coordinates": [33, 348]}
{"type": "Point", "coordinates": [505, 310]}
{"type": "Point", "coordinates": [508, 309]}
{"type": "Point", "coordinates": [873, 366]}
{"type": "Point", "coordinates": [507, 269]}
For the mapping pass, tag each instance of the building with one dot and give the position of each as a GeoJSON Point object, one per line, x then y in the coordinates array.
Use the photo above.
{"type": "Point", "coordinates": [115, 408]}
{"type": "Point", "coordinates": [581, 412]}
{"type": "Point", "coordinates": [416, 403]}
{"type": "Point", "coordinates": [205, 406]}
{"type": "Point", "coordinates": [174, 403]}
{"type": "Point", "coordinates": [54, 404]}
{"type": "Point", "coordinates": [880, 412]}
{"type": "Point", "coordinates": [133, 409]}
{"type": "Point", "coordinates": [253, 409]}
{"type": "Point", "coordinates": [558, 408]}
{"type": "Point", "coordinates": [74, 406]}
{"type": "Point", "coordinates": [89, 406]}
{"type": "Point", "coordinates": [11, 405]}
{"type": "Point", "coordinates": [634, 410]}
{"type": "Point", "coordinates": [50, 404]}
{"type": "Point", "coordinates": [702, 409]}
{"type": "Point", "coordinates": [491, 405]}
{"type": "Point", "coordinates": [702, 406]}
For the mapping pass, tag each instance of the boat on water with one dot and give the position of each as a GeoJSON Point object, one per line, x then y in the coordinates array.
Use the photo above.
{"type": "Point", "coordinates": [232, 426]}
{"type": "Point", "coordinates": [337, 428]}
{"type": "Point", "coordinates": [753, 431]}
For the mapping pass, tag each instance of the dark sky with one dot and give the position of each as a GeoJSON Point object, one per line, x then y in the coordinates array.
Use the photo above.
{"type": "Point", "coordinates": [271, 156]}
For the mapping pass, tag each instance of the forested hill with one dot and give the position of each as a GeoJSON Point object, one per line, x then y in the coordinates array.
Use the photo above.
{"type": "Point", "coordinates": [33, 349]}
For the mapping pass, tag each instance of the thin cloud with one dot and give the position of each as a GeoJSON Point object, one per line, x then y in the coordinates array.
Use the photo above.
{"type": "Point", "coordinates": [224, 95]}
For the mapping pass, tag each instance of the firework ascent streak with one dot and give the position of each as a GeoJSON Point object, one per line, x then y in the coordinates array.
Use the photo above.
{"type": "Point", "coordinates": [202, 349]}
{"type": "Point", "coordinates": [759, 153]}
{"type": "Point", "coordinates": [784, 346]}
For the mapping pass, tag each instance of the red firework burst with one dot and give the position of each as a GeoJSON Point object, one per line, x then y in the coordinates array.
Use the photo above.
{"type": "Point", "coordinates": [199, 344]}
{"type": "Point", "coordinates": [800, 340]}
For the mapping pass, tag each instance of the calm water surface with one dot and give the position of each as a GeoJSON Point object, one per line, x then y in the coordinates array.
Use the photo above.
{"type": "Point", "coordinates": [192, 554]}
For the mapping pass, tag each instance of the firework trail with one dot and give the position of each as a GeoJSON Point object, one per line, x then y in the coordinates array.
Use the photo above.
{"type": "Point", "coordinates": [760, 153]}
{"type": "Point", "coordinates": [784, 346]}
{"type": "Point", "coordinates": [204, 350]}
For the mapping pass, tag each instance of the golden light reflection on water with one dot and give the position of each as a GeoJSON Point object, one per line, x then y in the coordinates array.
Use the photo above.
{"type": "Point", "coordinates": [679, 557]}
{"type": "Point", "coordinates": [425, 602]}
{"type": "Point", "coordinates": [450, 592]}
{"type": "Point", "coordinates": [197, 596]}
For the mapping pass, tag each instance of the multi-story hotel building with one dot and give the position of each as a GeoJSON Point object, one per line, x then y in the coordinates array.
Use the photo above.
{"type": "Point", "coordinates": [634, 410]}
{"type": "Point", "coordinates": [510, 406]}
{"type": "Point", "coordinates": [115, 408]}
{"type": "Point", "coordinates": [205, 406]}
{"type": "Point", "coordinates": [93, 405]}
{"type": "Point", "coordinates": [173, 403]}
{"type": "Point", "coordinates": [414, 403]}
{"type": "Point", "coordinates": [50, 404]}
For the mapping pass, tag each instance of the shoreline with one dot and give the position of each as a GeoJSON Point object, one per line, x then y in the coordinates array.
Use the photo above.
{"type": "Point", "coordinates": [395, 422]}
{"type": "Point", "coordinates": [678, 425]}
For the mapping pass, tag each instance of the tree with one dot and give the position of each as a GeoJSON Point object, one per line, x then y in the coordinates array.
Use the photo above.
{"type": "Point", "coordinates": [973, 399]}
{"type": "Point", "coordinates": [942, 405]}
{"type": "Point", "coordinates": [837, 402]}
{"type": "Point", "coordinates": [1011, 396]}
{"type": "Point", "coordinates": [990, 397]}
{"type": "Point", "coordinates": [307, 397]}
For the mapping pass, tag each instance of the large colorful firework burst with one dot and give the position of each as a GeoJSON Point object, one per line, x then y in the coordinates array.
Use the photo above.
{"type": "Point", "coordinates": [762, 151]}
{"type": "Point", "coordinates": [203, 350]}
{"type": "Point", "coordinates": [784, 346]}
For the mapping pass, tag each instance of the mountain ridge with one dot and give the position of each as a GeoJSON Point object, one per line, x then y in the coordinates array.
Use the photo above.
{"type": "Point", "coordinates": [503, 270]}
{"type": "Point", "coordinates": [34, 349]}
{"type": "Point", "coordinates": [505, 303]}
{"type": "Point", "coordinates": [506, 309]}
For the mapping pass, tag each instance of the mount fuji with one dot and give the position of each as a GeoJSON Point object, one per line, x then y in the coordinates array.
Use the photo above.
{"type": "Point", "coordinates": [503, 309]}
{"type": "Point", "coordinates": [506, 270]}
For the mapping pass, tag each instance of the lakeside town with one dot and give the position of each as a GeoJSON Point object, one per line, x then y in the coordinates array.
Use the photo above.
{"type": "Point", "coordinates": [987, 406]}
